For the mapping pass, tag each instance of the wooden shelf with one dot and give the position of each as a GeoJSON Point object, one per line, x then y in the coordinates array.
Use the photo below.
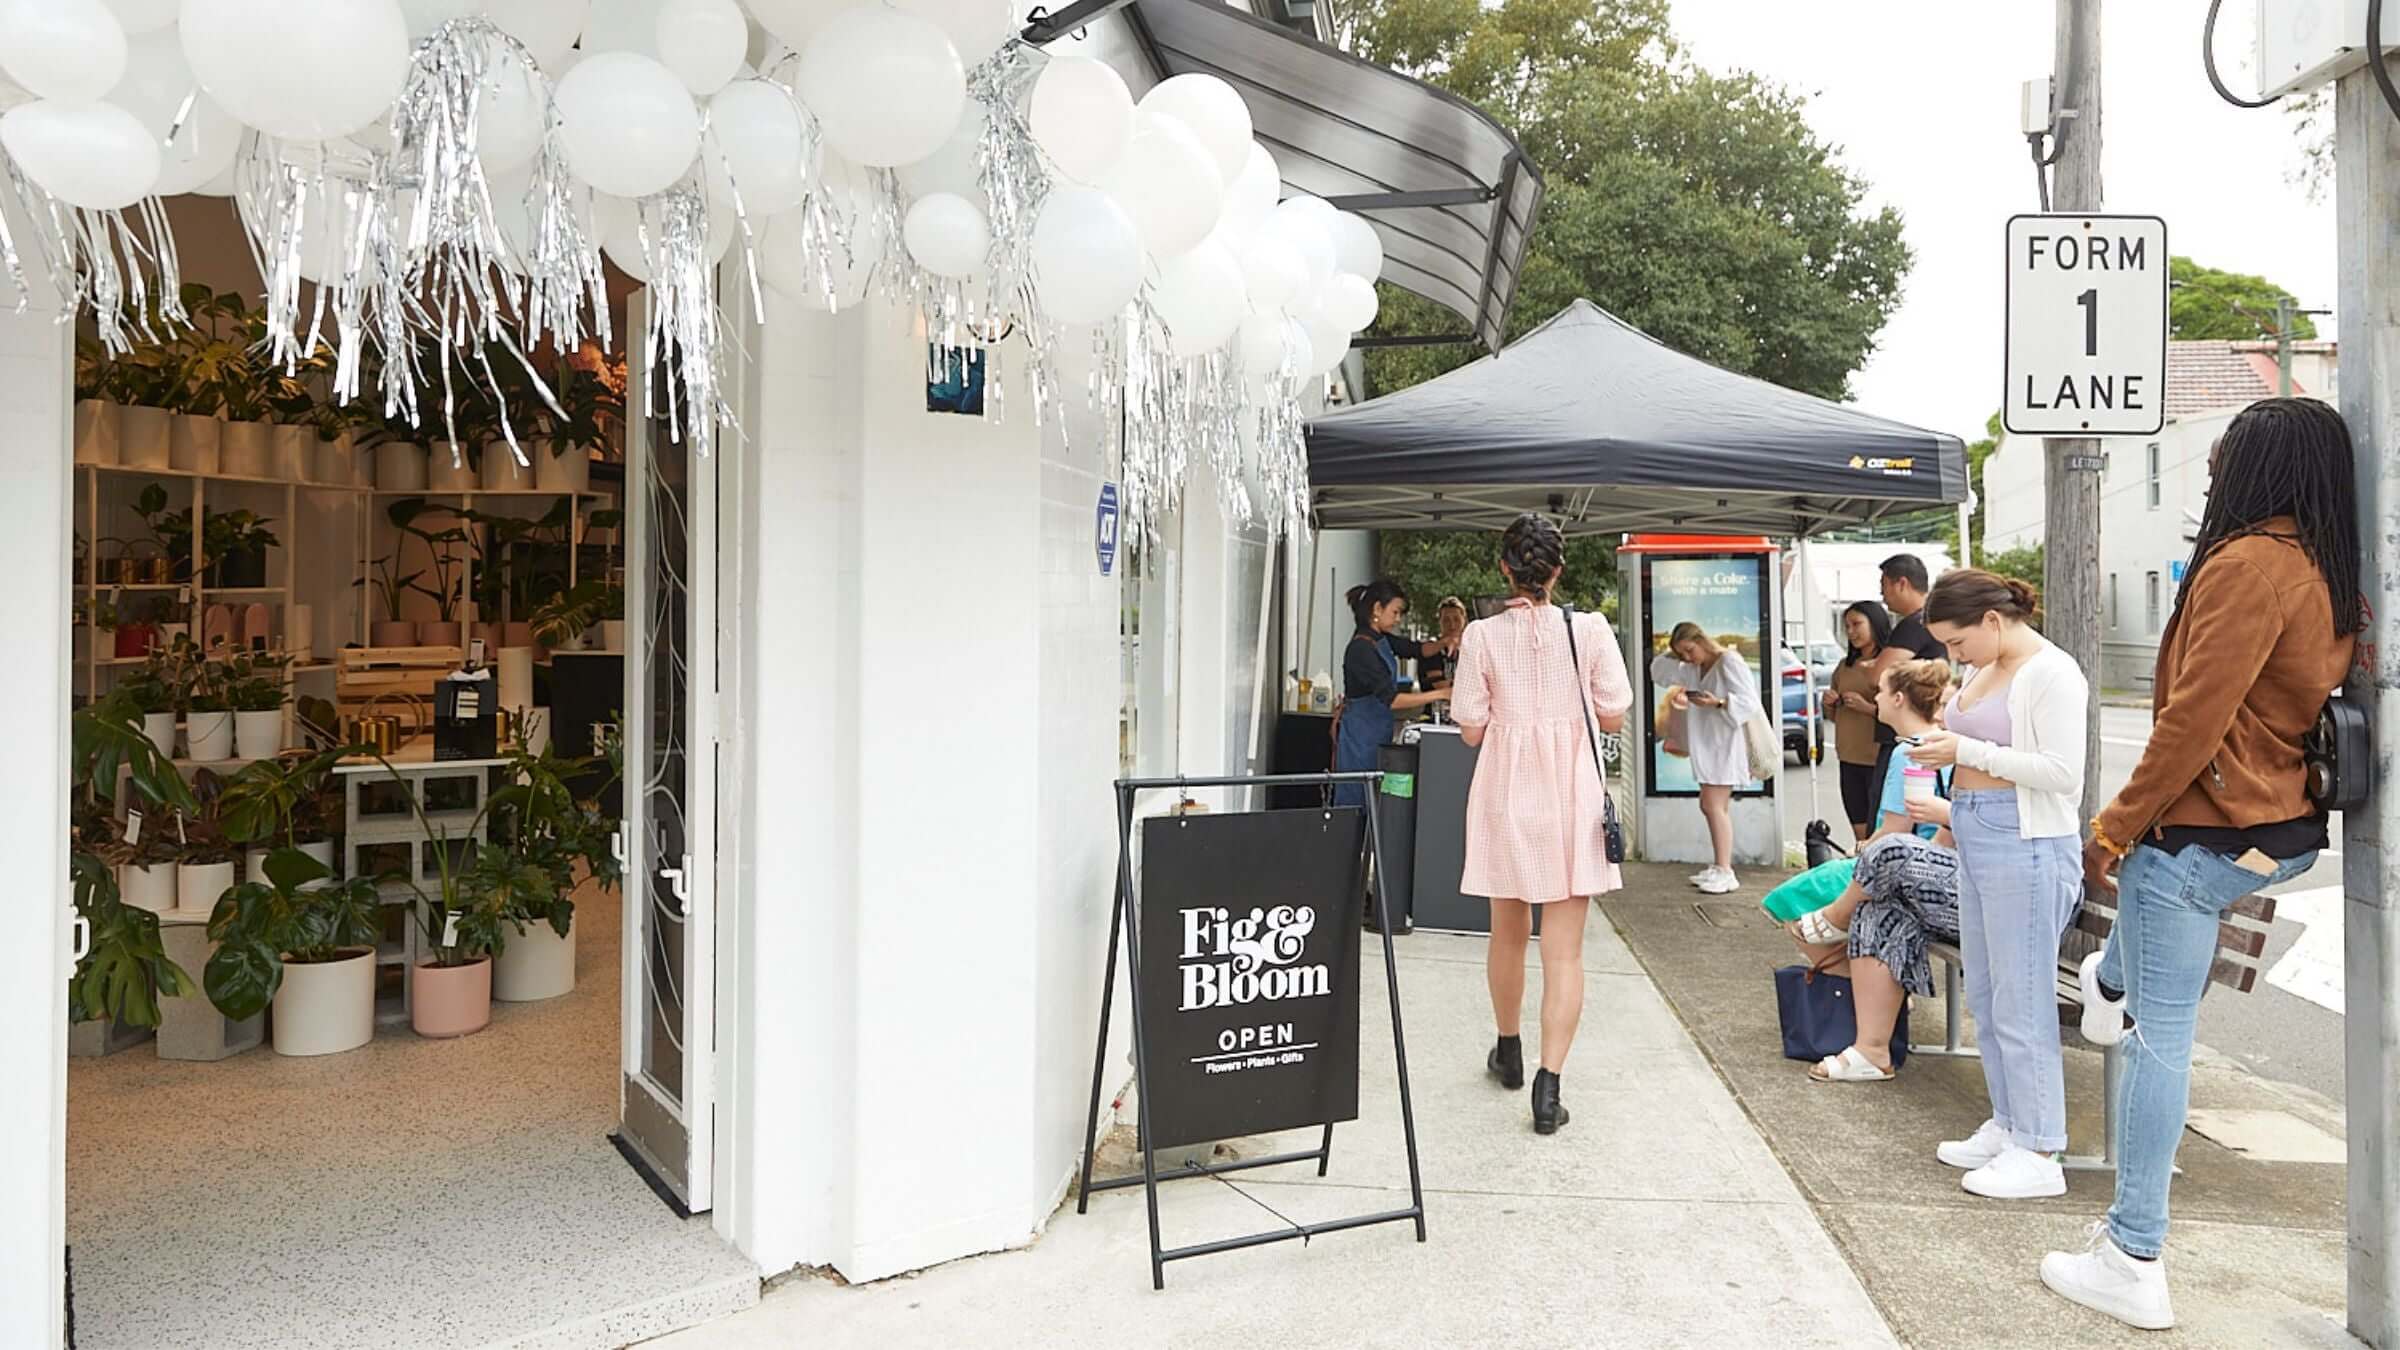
{"type": "Point", "coordinates": [350, 488]}
{"type": "Point", "coordinates": [478, 492]}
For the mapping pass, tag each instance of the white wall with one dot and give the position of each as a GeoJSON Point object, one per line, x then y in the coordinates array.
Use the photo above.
{"type": "Point", "coordinates": [36, 388]}
{"type": "Point", "coordinates": [1333, 562]}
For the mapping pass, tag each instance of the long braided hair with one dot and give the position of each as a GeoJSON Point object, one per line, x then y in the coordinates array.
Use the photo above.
{"type": "Point", "coordinates": [1534, 550]}
{"type": "Point", "coordinates": [2288, 457]}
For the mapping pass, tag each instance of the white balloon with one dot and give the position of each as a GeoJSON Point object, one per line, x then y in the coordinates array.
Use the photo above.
{"type": "Point", "coordinates": [1267, 337]}
{"type": "Point", "coordinates": [72, 50]}
{"type": "Point", "coordinates": [222, 185]}
{"type": "Point", "coordinates": [512, 112]}
{"type": "Point", "coordinates": [1250, 198]}
{"type": "Point", "coordinates": [143, 16]}
{"type": "Point", "coordinates": [1272, 271]}
{"type": "Point", "coordinates": [304, 70]}
{"type": "Point", "coordinates": [93, 155]}
{"type": "Point", "coordinates": [619, 225]}
{"type": "Point", "coordinates": [1169, 185]}
{"type": "Point", "coordinates": [797, 22]}
{"type": "Point", "coordinates": [792, 269]}
{"type": "Point", "coordinates": [1215, 114]}
{"type": "Point", "coordinates": [1350, 301]}
{"type": "Point", "coordinates": [516, 211]}
{"type": "Point", "coordinates": [1305, 223]}
{"type": "Point", "coordinates": [947, 235]}
{"type": "Point", "coordinates": [1357, 249]}
{"type": "Point", "coordinates": [548, 28]}
{"type": "Point", "coordinates": [157, 80]}
{"type": "Point", "coordinates": [758, 131]}
{"type": "Point", "coordinates": [622, 26]}
{"type": "Point", "coordinates": [1081, 116]}
{"type": "Point", "coordinates": [426, 15]}
{"type": "Point", "coordinates": [887, 87]}
{"type": "Point", "coordinates": [1328, 341]}
{"type": "Point", "coordinates": [975, 27]}
{"type": "Point", "coordinates": [1087, 256]}
{"type": "Point", "coordinates": [1200, 295]}
{"type": "Point", "coordinates": [953, 168]}
{"type": "Point", "coordinates": [703, 42]}
{"type": "Point", "coordinates": [328, 230]}
{"type": "Point", "coordinates": [627, 123]}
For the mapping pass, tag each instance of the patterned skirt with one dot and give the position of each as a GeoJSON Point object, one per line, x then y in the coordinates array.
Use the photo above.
{"type": "Point", "coordinates": [1911, 887]}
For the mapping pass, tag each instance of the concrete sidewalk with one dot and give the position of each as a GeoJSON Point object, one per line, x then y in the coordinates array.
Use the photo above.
{"type": "Point", "coordinates": [2256, 1255]}
{"type": "Point", "coordinates": [1658, 1217]}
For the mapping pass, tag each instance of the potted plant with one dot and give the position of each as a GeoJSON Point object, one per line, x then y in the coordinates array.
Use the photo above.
{"type": "Point", "coordinates": [153, 693]}
{"type": "Point", "coordinates": [303, 943]}
{"type": "Point", "coordinates": [293, 407]}
{"type": "Point", "coordinates": [592, 408]}
{"type": "Point", "coordinates": [207, 710]}
{"type": "Point", "coordinates": [391, 587]}
{"type": "Point", "coordinates": [168, 622]}
{"type": "Point", "coordinates": [172, 530]}
{"type": "Point", "coordinates": [443, 548]}
{"type": "Point", "coordinates": [541, 824]}
{"type": "Point", "coordinates": [225, 366]}
{"type": "Point", "coordinates": [254, 687]}
{"type": "Point", "coordinates": [562, 623]}
{"type": "Point", "coordinates": [124, 970]}
{"type": "Point", "coordinates": [291, 801]}
{"type": "Point", "coordinates": [96, 422]}
{"type": "Point", "coordinates": [205, 857]}
{"type": "Point", "coordinates": [148, 383]}
{"type": "Point", "coordinates": [235, 544]}
{"type": "Point", "coordinates": [144, 865]}
{"type": "Point", "coordinates": [195, 437]}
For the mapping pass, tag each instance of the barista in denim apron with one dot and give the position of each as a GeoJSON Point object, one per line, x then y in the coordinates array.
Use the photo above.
{"type": "Point", "coordinates": [1371, 691]}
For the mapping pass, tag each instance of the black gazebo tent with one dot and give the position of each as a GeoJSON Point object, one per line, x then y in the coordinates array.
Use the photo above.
{"type": "Point", "coordinates": [1612, 431]}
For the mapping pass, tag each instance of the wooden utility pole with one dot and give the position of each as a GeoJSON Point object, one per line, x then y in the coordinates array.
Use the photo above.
{"type": "Point", "coordinates": [2367, 194]}
{"type": "Point", "coordinates": [2071, 473]}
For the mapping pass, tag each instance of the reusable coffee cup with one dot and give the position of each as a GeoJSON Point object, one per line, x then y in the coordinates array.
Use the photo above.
{"type": "Point", "coordinates": [1918, 784]}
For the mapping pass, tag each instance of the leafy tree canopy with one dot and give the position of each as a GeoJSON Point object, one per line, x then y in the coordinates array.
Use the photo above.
{"type": "Point", "coordinates": [2207, 304]}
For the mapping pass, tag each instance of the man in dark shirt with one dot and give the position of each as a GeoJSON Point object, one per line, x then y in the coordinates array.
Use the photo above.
{"type": "Point", "coordinates": [1905, 583]}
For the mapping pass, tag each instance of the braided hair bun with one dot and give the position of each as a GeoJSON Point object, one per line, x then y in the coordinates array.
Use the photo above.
{"type": "Point", "coordinates": [1533, 551]}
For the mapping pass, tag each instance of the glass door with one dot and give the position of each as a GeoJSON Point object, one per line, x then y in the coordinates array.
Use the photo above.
{"type": "Point", "coordinates": [667, 1113]}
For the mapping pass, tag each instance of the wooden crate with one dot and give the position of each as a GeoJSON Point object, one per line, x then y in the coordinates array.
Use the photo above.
{"type": "Point", "coordinates": [367, 673]}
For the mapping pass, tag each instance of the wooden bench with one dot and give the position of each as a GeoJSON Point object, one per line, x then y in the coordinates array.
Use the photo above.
{"type": "Point", "coordinates": [2241, 945]}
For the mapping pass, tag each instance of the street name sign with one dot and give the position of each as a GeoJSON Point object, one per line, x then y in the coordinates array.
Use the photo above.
{"type": "Point", "coordinates": [2087, 326]}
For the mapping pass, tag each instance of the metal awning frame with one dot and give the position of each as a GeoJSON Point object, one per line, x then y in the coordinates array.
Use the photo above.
{"type": "Point", "coordinates": [1597, 509]}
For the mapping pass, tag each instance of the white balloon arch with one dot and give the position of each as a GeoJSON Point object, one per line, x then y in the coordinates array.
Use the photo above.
{"type": "Point", "coordinates": [472, 158]}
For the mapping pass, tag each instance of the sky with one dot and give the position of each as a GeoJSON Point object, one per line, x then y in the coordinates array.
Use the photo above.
{"type": "Point", "coordinates": [1925, 112]}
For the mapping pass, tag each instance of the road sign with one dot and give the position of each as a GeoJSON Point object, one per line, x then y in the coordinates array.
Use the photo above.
{"type": "Point", "coordinates": [2087, 326]}
{"type": "Point", "coordinates": [1105, 530]}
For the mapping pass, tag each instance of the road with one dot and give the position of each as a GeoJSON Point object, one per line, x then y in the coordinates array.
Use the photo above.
{"type": "Point", "coordinates": [2290, 1027]}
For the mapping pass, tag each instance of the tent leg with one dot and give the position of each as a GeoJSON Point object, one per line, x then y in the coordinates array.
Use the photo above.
{"type": "Point", "coordinates": [1812, 741]}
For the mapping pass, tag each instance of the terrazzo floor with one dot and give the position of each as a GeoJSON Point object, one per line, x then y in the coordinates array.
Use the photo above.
{"type": "Point", "coordinates": [426, 1194]}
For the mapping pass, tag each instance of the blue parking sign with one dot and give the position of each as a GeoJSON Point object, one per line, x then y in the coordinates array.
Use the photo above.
{"type": "Point", "coordinates": [2175, 571]}
{"type": "Point", "coordinates": [1106, 532]}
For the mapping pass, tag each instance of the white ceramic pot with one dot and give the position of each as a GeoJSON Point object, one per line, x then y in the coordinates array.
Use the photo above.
{"type": "Point", "coordinates": [321, 850]}
{"type": "Point", "coordinates": [536, 964]}
{"type": "Point", "coordinates": [245, 449]}
{"type": "Point", "coordinates": [502, 473]}
{"type": "Point", "coordinates": [254, 863]}
{"type": "Point", "coordinates": [150, 888]}
{"type": "Point", "coordinates": [143, 438]}
{"type": "Point", "coordinates": [567, 472]}
{"type": "Point", "coordinates": [516, 677]}
{"type": "Point", "coordinates": [96, 431]}
{"type": "Point", "coordinates": [258, 735]}
{"type": "Point", "coordinates": [450, 468]}
{"type": "Point", "coordinates": [358, 466]}
{"type": "Point", "coordinates": [160, 728]}
{"type": "Point", "coordinates": [394, 633]}
{"type": "Point", "coordinates": [295, 458]}
{"type": "Point", "coordinates": [612, 635]}
{"type": "Point", "coordinates": [326, 1007]}
{"type": "Point", "coordinates": [210, 735]}
{"type": "Point", "coordinates": [195, 443]}
{"type": "Point", "coordinates": [400, 467]}
{"type": "Point", "coordinates": [198, 885]}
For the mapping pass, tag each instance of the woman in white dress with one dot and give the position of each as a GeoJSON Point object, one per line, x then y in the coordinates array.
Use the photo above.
{"type": "Point", "coordinates": [1720, 697]}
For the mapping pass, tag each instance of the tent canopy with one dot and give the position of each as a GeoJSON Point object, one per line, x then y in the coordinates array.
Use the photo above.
{"type": "Point", "coordinates": [1611, 430]}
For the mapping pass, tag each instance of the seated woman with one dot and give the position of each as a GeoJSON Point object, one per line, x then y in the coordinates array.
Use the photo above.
{"type": "Point", "coordinates": [1903, 894]}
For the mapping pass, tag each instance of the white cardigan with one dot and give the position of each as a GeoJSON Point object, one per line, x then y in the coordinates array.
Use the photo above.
{"type": "Point", "coordinates": [2047, 704]}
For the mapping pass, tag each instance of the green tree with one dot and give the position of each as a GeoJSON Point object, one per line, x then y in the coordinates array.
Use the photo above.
{"type": "Point", "coordinates": [1432, 564]}
{"type": "Point", "coordinates": [2023, 562]}
{"type": "Point", "coordinates": [2207, 304]}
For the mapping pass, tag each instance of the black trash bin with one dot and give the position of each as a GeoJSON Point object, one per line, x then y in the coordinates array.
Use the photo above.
{"type": "Point", "coordinates": [1396, 814]}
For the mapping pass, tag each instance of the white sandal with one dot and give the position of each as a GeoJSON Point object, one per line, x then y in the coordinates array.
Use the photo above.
{"type": "Point", "coordinates": [1817, 930]}
{"type": "Point", "coordinates": [1847, 1067]}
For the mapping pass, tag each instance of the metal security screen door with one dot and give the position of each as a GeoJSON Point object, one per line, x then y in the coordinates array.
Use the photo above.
{"type": "Point", "coordinates": [668, 1108]}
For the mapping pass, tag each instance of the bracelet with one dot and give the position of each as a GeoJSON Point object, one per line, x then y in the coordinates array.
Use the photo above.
{"type": "Point", "coordinates": [2100, 837]}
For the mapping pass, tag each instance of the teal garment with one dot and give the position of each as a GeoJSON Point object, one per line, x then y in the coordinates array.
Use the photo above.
{"type": "Point", "coordinates": [1895, 791]}
{"type": "Point", "coordinates": [1810, 891]}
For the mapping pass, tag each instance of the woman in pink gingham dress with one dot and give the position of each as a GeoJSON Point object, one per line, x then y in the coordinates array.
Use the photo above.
{"type": "Point", "coordinates": [1534, 813]}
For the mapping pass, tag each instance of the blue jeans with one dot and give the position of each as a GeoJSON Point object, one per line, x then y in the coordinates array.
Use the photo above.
{"type": "Point", "coordinates": [2160, 955]}
{"type": "Point", "coordinates": [2015, 896]}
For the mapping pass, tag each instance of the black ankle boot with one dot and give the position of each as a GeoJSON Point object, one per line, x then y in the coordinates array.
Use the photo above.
{"type": "Point", "coordinates": [1507, 1062]}
{"type": "Point", "coordinates": [1548, 1111]}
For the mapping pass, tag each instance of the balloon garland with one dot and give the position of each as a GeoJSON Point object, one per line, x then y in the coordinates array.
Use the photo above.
{"type": "Point", "coordinates": [455, 170]}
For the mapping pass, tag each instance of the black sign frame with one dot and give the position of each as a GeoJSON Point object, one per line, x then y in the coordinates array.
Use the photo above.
{"type": "Point", "coordinates": [1125, 927]}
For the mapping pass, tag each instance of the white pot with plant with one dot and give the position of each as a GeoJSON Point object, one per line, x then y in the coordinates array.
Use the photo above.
{"type": "Point", "coordinates": [303, 943]}
{"type": "Point", "coordinates": [450, 467]}
{"type": "Point", "coordinates": [566, 622]}
{"type": "Point", "coordinates": [295, 459]}
{"type": "Point", "coordinates": [504, 472]}
{"type": "Point", "coordinates": [208, 731]}
{"type": "Point", "coordinates": [400, 466]}
{"type": "Point", "coordinates": [246, 449]}
{"type": "Point", "coordinates": [144, 438]}
{"type": "Point", "coordinates": [441, 530]}
{"type": "Point", "coordinates": [151, 887]}
{"type": "Point", "coordinates": [252, 684]}
{"type": "Point", "coordinates": [550, 830]}
{"type": "Point", "coordinates": [195, 442]}
{"type": "Point", "coordinates": [96, 431]}
{"type": "Point", "coordinates": [257, 732]}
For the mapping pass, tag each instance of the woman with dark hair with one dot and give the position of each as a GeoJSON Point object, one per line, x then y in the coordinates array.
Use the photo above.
{"type": "Point", "coordinates": [1536, 684]}
{"type": "Point", "coordinates": [2263, 631]}
{"type": "Point", "coordinates": [2015, 731]}
{"type": "Point", "coordinates": [1850, 705]}
{"type": "Point", "coordinates": [1371, 684]}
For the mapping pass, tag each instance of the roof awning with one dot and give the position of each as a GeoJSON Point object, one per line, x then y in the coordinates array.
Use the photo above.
{"type": "Point", "coordinates": [1446, 187]}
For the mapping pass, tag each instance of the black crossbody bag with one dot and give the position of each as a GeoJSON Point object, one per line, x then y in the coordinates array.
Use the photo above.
{"type": "Point", "coordinates": [1613, 834]}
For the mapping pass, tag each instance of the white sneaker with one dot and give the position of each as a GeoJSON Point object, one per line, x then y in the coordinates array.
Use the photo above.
{"type": "Point", "coordinates": [2018, 1174]}
{"type": "Point", "coordinates": [1723, 883]}
{"type": "Point", "coordinates": [2103, 1278]}
{"type": "Point", "coordinates": [2103, 1021]}
{"type": "Point", "coordinates": [1703, 876]}
{"type": "Point", "coordinates": [1976, 1150]}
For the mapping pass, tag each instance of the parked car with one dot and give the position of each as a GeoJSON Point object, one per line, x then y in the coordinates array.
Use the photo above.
{"type": "Point", "coordinates": [1801, 738]}
{"type": "Point", "coordinates": [1823, 656]}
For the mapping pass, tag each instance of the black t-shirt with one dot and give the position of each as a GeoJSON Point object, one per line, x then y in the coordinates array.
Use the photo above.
{"type": "Point", "coordinates": [1365, 672]}
{"type": "Point", "coordinates": [1910, 635]}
